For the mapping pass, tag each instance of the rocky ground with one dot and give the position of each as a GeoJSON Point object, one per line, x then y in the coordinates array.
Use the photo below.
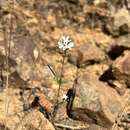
{"type": "Point", "coordinates": [96, 74]}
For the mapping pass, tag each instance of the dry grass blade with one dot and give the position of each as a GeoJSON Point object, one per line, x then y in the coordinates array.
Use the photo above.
{"type": "Point", "coordinates": [120, 114]}
{"type": "Point", "coordinates": [69, 127]}
{"type": "Point", "coordinates": [7, 31]}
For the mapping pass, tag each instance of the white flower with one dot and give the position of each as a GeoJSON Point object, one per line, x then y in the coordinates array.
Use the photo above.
{"type": "Point", "coordinates": [64, 97]}
{"type": "Point", "coordinates": [65, 43]}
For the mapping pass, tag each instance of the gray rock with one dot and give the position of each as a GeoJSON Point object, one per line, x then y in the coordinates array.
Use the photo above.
{"type": "Point", "coordinates": [120, 23]}
{"type": "Point", "coordinates": [95, 102]}
{"type": "Point", "coordinates": [123, 41]}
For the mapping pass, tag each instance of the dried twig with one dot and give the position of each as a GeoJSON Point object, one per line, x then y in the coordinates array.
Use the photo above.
{"type": "Point", "coordinates": [8, 40]}
{"type": "Point", "coordinates": [52, 71]}
{"type": "Point", "coordinates": [7, 31]}
{"type": "Point", "coordinates": [120, 114]}
{"type": "Point", "coordinates": [70, 127]}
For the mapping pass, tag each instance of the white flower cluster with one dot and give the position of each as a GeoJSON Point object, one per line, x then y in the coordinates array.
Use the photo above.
{"type": "Point", "coordinates": [64, 97]}
{"type": "Point", "coordinates": [65, 43]}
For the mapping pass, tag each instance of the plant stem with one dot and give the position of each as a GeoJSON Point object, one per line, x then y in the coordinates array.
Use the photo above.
{"type": "Point", "coordinates": [59, 87]}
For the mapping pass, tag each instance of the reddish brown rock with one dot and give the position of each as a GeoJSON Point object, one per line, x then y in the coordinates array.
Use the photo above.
{"type": "Point", "coordinates": [86, 54]}
{"type": "Point", "coordinates": [95, 102]}
{"type": "Point", "coordinates": [25, 61]}
{"type": "Point", "coordinates": [121, 67]}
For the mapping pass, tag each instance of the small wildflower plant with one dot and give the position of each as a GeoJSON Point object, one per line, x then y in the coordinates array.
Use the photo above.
{"type": "Point", "coordinates": [65, 44]}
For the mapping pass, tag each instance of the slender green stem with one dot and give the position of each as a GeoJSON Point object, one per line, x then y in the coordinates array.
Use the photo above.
{"type": "Point", "coordinates": [59, 87]}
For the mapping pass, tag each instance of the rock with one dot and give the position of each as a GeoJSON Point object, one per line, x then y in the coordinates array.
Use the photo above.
{"type": "Point", "coordinates": [121, 67]}
{"type": "Point", "coordinates": [35, 120]}
{"type": "Point", "coordinates": [117, 3]}
{"type": "Point", "coordinates": [120, 44]}
{"type": "Point", "coordinates": [123, 41]}
{"type": "Point", "coordinates": [17, 118]}
{"type": "Point", "coordinates": [21, 50]}
{"type": "Point", "coordinates": [25, 61]}
{"type": "Point", "coordinates": [97, 16]}
{"type": "Point", "coordinates": [108, 77]}
{"type": "Point", "coordinates": [120, 23]}
{"type": "Point", "coordinates": [95, 102]}
{"type": "Point", "coordinates": [86, 54]}
{"type": "Point", "coordinates": [121, 18]}
{"type": "Point", "coordinates": [99, 2]}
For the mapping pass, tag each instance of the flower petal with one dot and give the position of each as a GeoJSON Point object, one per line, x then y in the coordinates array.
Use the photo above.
{"type": "Point", "coordinates": [65, 43]}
